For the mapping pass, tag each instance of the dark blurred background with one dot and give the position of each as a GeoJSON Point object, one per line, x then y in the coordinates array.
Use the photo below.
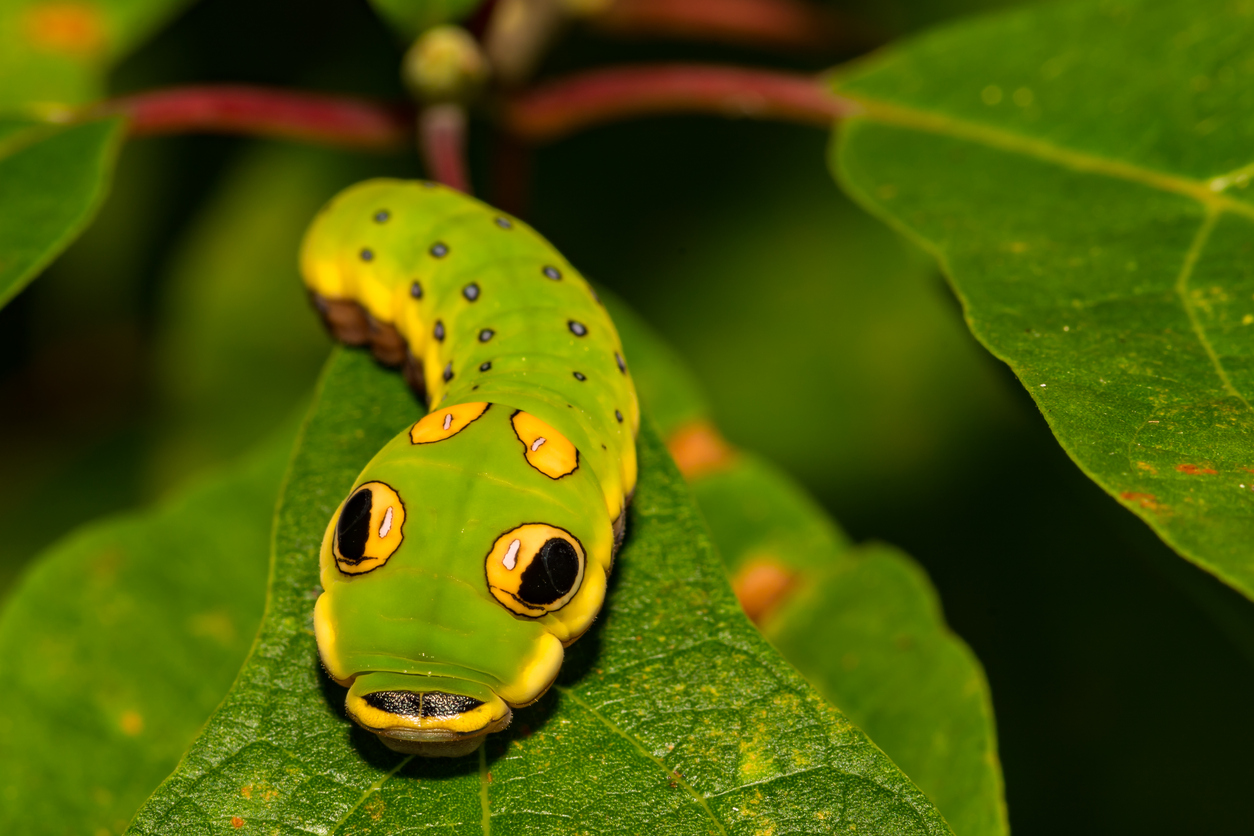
{"type": "Point", "coordinates": [175, 334]}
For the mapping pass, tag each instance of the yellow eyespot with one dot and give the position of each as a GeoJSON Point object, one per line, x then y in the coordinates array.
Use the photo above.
{"type": "Point", "coordinates": [369, 528]}
{"type": "Point", "coordinates": [535, 569]}
{"type": "Point", "coordinates": [547, 450]}
{"type": "Point", "coordinates": [446, 423]}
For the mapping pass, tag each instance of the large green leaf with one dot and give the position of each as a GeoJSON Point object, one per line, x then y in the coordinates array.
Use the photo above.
{"type": "Point", "coordinates": [121, 641]}
{"type": "Point", "coordinates": [1080, 171]}
{"type": "Point", "coordinates": [55, 52]}
{"type": "Point", "coordinates": [672, 715]}
{"type": "Point", "coordinates": [52, 181]}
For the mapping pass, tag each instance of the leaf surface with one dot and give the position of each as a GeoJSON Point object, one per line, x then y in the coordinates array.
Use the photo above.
{"type": "Point", "coordinates": [672, 715]}
{"type": "Point", "coordinates": [119, 643]}
{"type": "Point", "coordinates": [1081, 172]}
{"type": "Point", "coordinates": [52, 181]}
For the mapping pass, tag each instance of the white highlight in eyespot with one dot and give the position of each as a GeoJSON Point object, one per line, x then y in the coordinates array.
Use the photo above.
{"type": "Point", "coordinates": [448, 420]}
{"type": "Point", "coordinates": [535, 445]}
{"type": "Point", "coordinates": [511, 555]}
{"type": "Point", "coordinates": [386, 526]}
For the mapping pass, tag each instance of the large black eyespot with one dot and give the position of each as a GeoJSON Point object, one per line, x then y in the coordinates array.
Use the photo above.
{"type": "Point", "coordinates": [551, 574]}
{"type": "Point", "coordinates": [535, 569]}
{"type": "Point", "coordinates": [353, 529]}
{"type": "Point", "coordinates": [369, 528]}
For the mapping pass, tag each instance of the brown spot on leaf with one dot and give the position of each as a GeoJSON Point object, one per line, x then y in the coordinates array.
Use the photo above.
{"type": "Point", "coordinates": [237, 822]}
{"type": "Point", "coordinates": [1195, 470]}
{"type": "Point", "coordinates": [1145, 500]}
{"type": "Point", "coordinates": [698, 448]}
{"type": "Point", "coordinates": [76, 29]}
{"type": "Point", "coordinates": [761, 585]}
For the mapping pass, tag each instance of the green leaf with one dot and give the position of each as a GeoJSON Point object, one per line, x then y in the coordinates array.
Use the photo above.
{"type": "Point", "coordinates": [120, 642]}
{"type": "Point", "coordinates": [1081, 173]}
{"type": "Point", "coordinates": [52, 181]}
{"type": "Point", "coordinates": [410, 18]}
{"type": "Point", "coordinates": [671, 715]}
{"type": "Point", "coordinates": [869, 634]}
{"type": "Point", "coordinates": [56, 52]}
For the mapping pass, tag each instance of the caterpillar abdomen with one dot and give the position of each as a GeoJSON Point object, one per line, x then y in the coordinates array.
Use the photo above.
{"type": "Point", "coordinates": [478, 542]}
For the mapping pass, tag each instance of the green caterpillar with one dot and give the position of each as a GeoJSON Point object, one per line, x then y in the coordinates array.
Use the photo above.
{"type": "Point", "coordinates": [477, 544]}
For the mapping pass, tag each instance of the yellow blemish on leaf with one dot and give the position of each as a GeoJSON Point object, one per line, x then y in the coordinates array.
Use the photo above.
{"type": "Point", "coordinates": [1247, 319]}
{"type": "Point", "coordinates": [76, 29]}
{"type": "Point", "coordinates": [246, 790]}
{"type": "Point", "coordinates": [756, 762]}
{"type": "Point", "coordinates": [132, 723]}
{"type": "Point", "coordinates": [991, 94]}
{"type": "Point", "coordinates": [1147, 467]}
{"type": "Point", "coordinates": [214, 624]}
{"type": "Point", "coordinates": [375, 806]}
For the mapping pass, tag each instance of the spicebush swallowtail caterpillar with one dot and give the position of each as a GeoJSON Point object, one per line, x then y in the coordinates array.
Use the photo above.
{"type": "Point", "coordinates": [476, 545]}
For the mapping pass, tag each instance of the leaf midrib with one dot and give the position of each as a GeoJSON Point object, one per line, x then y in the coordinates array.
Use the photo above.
{"type": "Point", "coordinates": [1209, 193]}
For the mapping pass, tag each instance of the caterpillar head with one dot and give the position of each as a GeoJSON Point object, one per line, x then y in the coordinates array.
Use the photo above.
{"type": "Point", "coordinates": [454, 573]}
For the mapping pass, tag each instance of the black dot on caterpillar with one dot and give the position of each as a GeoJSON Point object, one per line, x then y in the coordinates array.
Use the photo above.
{"type": "Point", "coordinates": [579, 376]}
{"type": "Point", "coordinates": [622, 364]}
{"type": "Point", "coordinates": [577, 328]}
{"type": "Point", "coordinates": [448, 372]}
{"type": "Point", "coordinates": [415, 290]}
{"type": "Point", "coordinates": [486, 334]}
{"type": "Point", "coordinates": [552, 272]}
{"type": "Point", "coordinates": [438, 332]}
{"type": "Point", "coordinates": [619, 416]}
{"type": "Point", "coordinates": [503, 223]}
{"type": "Point", "coordinates": [471, 292]}
{"type": "Point", "coordinates": [439, 249]}
{"type": "Point", "coordinates": [382, 216]}
{"type": "Point", "coordinates": [366, 254]}
{"type": "Point", "coordinates": [483, 367]}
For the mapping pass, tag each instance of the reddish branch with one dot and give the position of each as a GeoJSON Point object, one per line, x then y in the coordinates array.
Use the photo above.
{"type": "Point", "coordinates": [550, 110]}
{"type": "Point", "coordinates": [257, 111]}
{"type": "Point", "coordinates": [781, 24]}
{"type": "Point", "coordinates": [442, 141]}
{"type": "Point", "coordinates": [544, 112]}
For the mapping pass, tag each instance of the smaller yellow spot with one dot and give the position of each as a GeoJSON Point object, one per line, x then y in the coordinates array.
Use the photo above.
{"type": "Point", "coordinates": [1248, 319]}
{"type": "Point", "coordinates": [991, 94]}
{"type": "Point", "coordinates": [546, 449]}
{"type": "Point", "coordinates": [446, 423]}
{"type": "Point", "coordinates": [1023, 97]}
{"type": "Point", "coordinates": [132, 723]}
{"type": "Point", "coordinates": [886, 191]}
{"type": "Point", "coordinates": [1018, 246]}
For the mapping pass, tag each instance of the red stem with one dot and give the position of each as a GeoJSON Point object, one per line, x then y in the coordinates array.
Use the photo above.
{"type": "Point", "coordinates": [551, 110]}
{"type": "Point", "coordinates": [442, 141]}
{"type": "Point", "coordinates": [782, 24]}
{"type": "Point", "coordinates": [257, 111]}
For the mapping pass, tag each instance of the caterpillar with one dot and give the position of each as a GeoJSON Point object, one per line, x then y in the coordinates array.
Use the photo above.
{"type": "Point", "coordinates": [477, 544]}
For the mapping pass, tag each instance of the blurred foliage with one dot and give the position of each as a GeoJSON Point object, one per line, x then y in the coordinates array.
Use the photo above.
{"type": "Point", "coordinates": [1119, 672]}
{"type": "Point", "coordinates": [119, 601]}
